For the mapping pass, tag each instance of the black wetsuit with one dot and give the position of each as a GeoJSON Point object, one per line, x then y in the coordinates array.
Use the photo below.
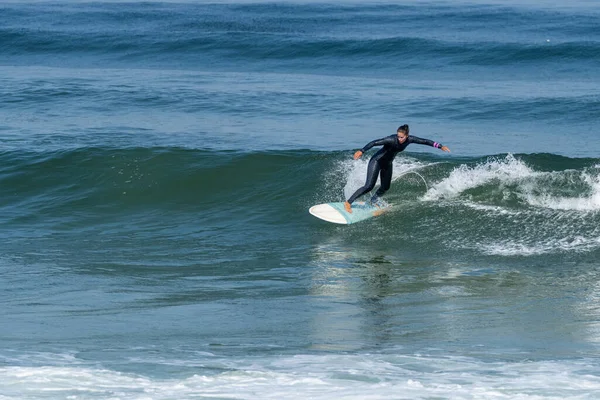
{"type": "Point", "coordinates": [381, 162]}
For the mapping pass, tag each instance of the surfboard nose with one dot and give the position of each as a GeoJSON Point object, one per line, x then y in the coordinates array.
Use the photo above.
{"type": "Point", "coordinates": [328, 213]}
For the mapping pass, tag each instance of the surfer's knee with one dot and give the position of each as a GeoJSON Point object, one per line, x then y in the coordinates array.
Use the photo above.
{"type": "Point", "coordinates": [369, 187]}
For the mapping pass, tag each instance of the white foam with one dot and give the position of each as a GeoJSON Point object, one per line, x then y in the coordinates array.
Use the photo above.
{"type": "Point", "coordinates": [462, 178]}
{"type": "Point", "coordinates": [556, 245]}
{"type": "Point", "coordinates": [362, 376]}
{"type": "Point", "coordinates": [534, 188]}
{"type": "Point", "coordinates": [488, 209]}
{"type": "Point", "coordinates": [582, 203]}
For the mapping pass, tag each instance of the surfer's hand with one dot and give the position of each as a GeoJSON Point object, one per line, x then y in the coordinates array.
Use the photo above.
{"type": "Point", "coordinates": [358, 154]}
{"type": "Point", "coordinates": [446, 149]}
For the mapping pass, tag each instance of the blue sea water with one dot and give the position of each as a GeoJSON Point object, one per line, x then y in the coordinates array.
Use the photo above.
{"type": "Point", "coordinates": [157, 163]}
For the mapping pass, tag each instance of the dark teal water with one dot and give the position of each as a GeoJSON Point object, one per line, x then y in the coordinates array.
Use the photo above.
{"type": "Point", "coordinates": [158, 160]}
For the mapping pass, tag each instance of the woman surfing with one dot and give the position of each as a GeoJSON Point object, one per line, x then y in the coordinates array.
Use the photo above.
{"type": "Point", "coordinates": [382, 162]}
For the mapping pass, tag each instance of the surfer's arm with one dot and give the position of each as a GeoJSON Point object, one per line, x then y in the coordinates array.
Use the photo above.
{"type": "Point", "coordinates": [373, 143]}
{"type": "Point", "coordinates": [427, 142]}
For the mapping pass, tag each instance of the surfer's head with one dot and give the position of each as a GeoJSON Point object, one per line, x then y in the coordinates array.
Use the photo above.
{"type": "Point", "coordinates": [402, 133]}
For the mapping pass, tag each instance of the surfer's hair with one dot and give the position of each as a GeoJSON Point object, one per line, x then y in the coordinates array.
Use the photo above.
{"type": "Point", "coordinates": [403, 128]}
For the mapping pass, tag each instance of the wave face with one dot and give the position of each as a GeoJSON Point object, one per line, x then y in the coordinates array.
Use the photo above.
{"type": "Point", "coordinates": [500, 205]}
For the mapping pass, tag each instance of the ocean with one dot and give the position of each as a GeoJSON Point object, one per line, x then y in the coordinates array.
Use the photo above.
{"type": "Point", "coordinates": [157, 163]}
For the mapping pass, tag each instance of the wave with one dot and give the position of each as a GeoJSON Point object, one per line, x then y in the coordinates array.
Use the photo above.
{"type": "Point", "coordinates": [537, 180]}
{"type": "Point", "coordinates": [205, 48]}
{"type": "Point", "coordinates": [50, 93]}
{"type": "Point", "coordinates": [503, 204]}
{"type": "Point", "coordinates": [375, 376]}
{"type": "Point", "coordinates": [512, 179]}
{"type": "Point", "coordinates": [301, 35]}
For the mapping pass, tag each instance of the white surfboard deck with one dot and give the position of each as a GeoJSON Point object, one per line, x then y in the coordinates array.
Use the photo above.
{"type": "Point", "coordinates": [335, 212]}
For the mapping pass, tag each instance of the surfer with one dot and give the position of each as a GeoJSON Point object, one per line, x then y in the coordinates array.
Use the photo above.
{"type": "Point", "coordinates": [381, 163]}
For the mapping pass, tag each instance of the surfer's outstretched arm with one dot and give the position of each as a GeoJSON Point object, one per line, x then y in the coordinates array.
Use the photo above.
{"type": "Point", "coordinates": [427, 142]}
{"type": "Point", "coordinates": [373, 143]}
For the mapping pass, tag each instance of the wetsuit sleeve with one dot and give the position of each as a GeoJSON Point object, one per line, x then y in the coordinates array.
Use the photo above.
{"type": "Point", "coordinates": [376, 142]}
{"type": "Point", "coordinates": [427, 142]}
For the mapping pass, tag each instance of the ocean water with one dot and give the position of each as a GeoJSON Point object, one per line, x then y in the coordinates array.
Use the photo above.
{"type": "Point", "coordinates": [157, 163]}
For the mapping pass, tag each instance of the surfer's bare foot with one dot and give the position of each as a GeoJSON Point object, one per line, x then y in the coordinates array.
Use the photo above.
{"type": "Point", "coordinates": [348, 207]}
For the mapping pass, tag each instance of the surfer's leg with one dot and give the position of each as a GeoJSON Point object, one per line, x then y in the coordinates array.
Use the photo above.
{"type": "Point", "coordinates": [372, 172]}
{"type": "Point", "coordinates": [386, 180]}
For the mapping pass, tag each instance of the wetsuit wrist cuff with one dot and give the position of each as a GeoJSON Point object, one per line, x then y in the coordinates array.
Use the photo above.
{"type": "Point", "coordinates": [438, 145]}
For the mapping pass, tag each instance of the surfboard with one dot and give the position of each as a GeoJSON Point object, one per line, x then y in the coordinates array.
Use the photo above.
{"type": "Point", "coordinates": [335, 212]}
